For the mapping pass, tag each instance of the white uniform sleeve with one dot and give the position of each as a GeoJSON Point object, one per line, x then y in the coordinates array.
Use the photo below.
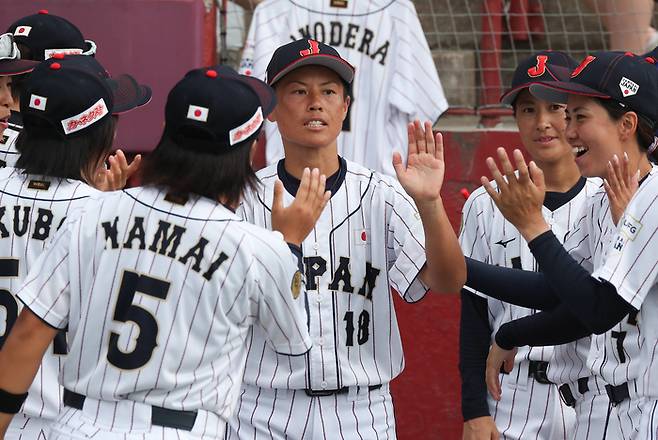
{"type": "Point", "coordinates": [406, 247]}
{"type": "Point", "coordinates": [282, 309]}
{"type": "Point", "coordinates": [630, 263]}
{"type": "Point", "coordinates": [472, 234]}
{"type": "Point", "coordinates": [46, 290]}
{"type": "Point", "coordinates": [415, 87]}
{"type": "Point", "coordinates": [262, 40]}
{"type": "Point", "coordinates": [578, 242]}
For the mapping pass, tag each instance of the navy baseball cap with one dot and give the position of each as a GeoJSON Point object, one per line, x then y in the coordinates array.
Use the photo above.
{"type": "Point", "coordinates": [63, 97]}
{"type": "Point", "coordinates": [301, 53]}
{"type": "Point", "coordinates": [544, 66]}
{"type": "Point", "coordinates": [10, 58]}
{"type": "Point", "coordinates": [213, 109]}
{"type": "Point", "coordinates": [45, 34]}
{"type": "Point", "coordinates": [126, 91]}
{"type": "Point", "coordinates": [623, 77]}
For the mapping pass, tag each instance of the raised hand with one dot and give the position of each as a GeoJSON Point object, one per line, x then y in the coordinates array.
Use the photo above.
{"type": "Point", "coordinates": [519, 198]}
{"type": "Point", "coordinates": [620, 185]}
{"type": "Point", "coordinates": [117, 175]}
{"type": "Point", "coordinates": [298, 219]}
{"type": "Point", "coordinates": [422, 177]}
{"type": "Point", "coordinates": [498, 358]}
{"type": "Point", "coordinates": [480, 428]}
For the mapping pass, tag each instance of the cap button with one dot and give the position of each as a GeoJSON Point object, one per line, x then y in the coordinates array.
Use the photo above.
{"type": "Point", "coordinates": [650, 60]}
{"type": "Point", "coordinates": [629, 54]}
{"type": "Point", "coordinates": [43, 11]}
{"type": "Point", "coordinates": [55, 66]}
{"type": "Point", "coordinates": [58, 56]}
{"type": "Point", "coordinates": [211, 73]}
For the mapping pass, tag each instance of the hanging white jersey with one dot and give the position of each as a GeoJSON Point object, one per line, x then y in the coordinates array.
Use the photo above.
{"type": "Point", "coordinates": [631, 265]}
{"type": "Point", "coordinates": [159, 292]}
{"type": "Point", "coordinates": [487, 236]}
{"type": "Point", "coordinates": [368, 239]}
{"type": "Point", "coordinates": [395, 82]}
{"type": "Point", "coordinates": [32, 208]}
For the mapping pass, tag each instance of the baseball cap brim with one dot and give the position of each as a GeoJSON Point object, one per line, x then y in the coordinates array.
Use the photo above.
{"type": "Point", "coordinates": [265, 93]}
{"type": "Point", "coordinates": [128, 93]}
{"type": "Point", "coordinates": [338, 65]}
{"type": "Point", "coordinates": [509, 96]}
{"type": "Point", "coordinates": [560, 90]}
{"type": "Point", "coordinates": [16, 67]}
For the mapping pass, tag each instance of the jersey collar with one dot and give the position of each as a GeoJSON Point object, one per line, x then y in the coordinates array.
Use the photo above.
{"type": "Point", "coordinates": [291, 183]}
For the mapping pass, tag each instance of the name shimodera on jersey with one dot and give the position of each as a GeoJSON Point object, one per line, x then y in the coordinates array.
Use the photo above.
{"type": "Point", "coordinates": [166, 241]}
{"type": "Point", "coordinates": [347, 35]}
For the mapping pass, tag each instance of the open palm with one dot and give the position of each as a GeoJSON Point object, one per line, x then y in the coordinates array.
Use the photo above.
{"type": "Point", "coordinates": [422, 177]}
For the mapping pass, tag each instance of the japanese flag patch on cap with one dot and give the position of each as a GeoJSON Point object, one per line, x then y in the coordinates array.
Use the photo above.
{"type": "Point", "coordinates": [23, 31]}
{"type": "Point", "coordinates": [38, 102]}
{"type": "Point", "coordinates": [197, 113]}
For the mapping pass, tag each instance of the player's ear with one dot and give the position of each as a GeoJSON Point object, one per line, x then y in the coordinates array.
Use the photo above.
{"type": "Point", "coordinates": [346, 105]}
{"type": "Point", "coordinates": [272, 116]}
{"type": "Point", "coordinates": [628, 125]}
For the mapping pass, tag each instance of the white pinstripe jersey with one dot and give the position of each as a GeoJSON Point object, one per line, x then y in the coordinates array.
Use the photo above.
{"type": "Point", "coordinates": [31, 210]}
{"type": "Point", "coordinates": [368, 239]}
{"type": "Point", "coordinates": [159, 293]}
{"type": "Point", "coordinates": [8, 153]}
{"type": "Point", "coordinates": [631, 265]}
{"type": "Point", "coordinates": [396, 80]}
{"type": "Point", "coordinates": [487, 236]}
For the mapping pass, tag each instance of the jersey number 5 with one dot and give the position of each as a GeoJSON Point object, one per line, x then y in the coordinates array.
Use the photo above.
{"type": "Point", "coordinates": [125, 311]}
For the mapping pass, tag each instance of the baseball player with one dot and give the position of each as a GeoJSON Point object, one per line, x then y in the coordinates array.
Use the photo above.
{"type": "Point", "coordinates": [395, 82]}
{"type": "Point", "coordinates": [11, 65]}
{"type": "Point", "coordinates": [38, 37]}
{"type": "Point", "coordinates": [374, 234]}
{"type": "Point", "coordinates": [612, 112]}
{"type": "Point", "coordinates": [48, 184]}
{"type": "Point", "coordinates": [159, 285]}
{"type": "Point", "coordinates": [530, 404]}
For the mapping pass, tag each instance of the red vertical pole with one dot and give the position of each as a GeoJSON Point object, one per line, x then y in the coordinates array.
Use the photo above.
{"type": "Point", "coordinates": [490, 45]}
{"type": "Point", "coordinates": [210, 34]}
{"type": "Point", "coordinates": [518, 20]}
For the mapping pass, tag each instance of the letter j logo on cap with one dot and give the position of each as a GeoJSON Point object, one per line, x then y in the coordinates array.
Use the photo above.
{"type": "Point", "coordinates": [38, 102]}
{"type": "Point", "coordinates": [197, 113]}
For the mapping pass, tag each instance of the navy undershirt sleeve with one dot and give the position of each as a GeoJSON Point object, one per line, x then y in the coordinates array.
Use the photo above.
{"type": "Point", "coordinates": [474, 342]}
{"type": "Point", "coordinates": [550, 327]}
{"type": "Point", "coordinates": [595, 303]}
{"type": "Point", "coordinates": [515, 286]}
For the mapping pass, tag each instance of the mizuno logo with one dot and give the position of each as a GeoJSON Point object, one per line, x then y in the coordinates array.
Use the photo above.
{"type": "Point", "coordinates": [506, 242]}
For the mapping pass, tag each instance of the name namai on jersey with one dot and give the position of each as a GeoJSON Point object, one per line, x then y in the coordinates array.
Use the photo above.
{"type": "Point", "coordinates": [165, 241]}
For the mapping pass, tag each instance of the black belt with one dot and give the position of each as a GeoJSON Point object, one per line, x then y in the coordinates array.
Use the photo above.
{"type": "Point", "coordinates": [567, 395]}
{"type": "Point", "coordinates": [169, 418]}
{"type": "Point", "coordinates": [536, 370]}
{"type": "Point", "coordinates": [344, 390]}
{"type": "Point", "coordinates": [617, 393]}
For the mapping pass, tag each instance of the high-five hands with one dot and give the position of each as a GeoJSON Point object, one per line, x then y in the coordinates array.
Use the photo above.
{"type": "Point", "coordinates": [298, 219]}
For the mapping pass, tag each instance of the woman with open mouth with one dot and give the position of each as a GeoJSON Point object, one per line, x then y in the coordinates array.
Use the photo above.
{"type": "Point", "coordinates": [598, 281]}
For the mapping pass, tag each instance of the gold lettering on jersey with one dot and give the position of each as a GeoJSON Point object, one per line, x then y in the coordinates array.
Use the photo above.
{"type": "Point", "coordinates": [4, 139]}
{"type": "Point", "coordinates": [338, 3]}
{"type": "Point", "coordinates": [178, 199]}
{"type": "Point", "coordinates": [296, 285]}
{"type": "Point", "coordinates": [347, 35]}
{"type": "Point", "coordinates": [39, 184]}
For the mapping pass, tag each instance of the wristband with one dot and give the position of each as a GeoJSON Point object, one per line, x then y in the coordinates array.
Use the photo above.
{"type": "Point", "coordinates": [11, 403]}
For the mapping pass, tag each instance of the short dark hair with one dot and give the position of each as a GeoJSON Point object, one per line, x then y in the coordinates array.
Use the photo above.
{"type": "Point", "coordinates": [185, 169]}
{"type": "Point", "coordinates": [645, 127]}
{"type": "Point", "coordinates": [44, 151]}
